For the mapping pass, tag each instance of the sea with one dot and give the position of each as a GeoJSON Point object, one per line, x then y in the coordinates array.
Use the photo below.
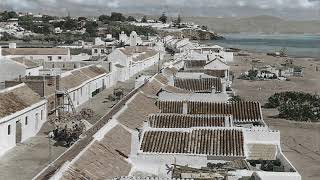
{"type": "Point", "coordinates": [296, 45]}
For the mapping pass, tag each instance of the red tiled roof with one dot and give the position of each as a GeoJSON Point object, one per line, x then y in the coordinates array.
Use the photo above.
{"type": "Point", "coordinates": [199, 85]}
{"type": "Point", "coordinates": [170, 106]}
{"type": "Point", "coordinates": [210, 72]}
{"type": "Point", "coordinates": [217, 142]}
{"type": "Point", "coordinates": [185, 121]}
{"type": "Point", "coordinates": [242, 112]}
{"type": "Point", "coordinates": [194, 63]}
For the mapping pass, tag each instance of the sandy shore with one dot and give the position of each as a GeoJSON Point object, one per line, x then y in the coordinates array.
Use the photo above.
{"type": "Point", "coordinates": [300, 141]}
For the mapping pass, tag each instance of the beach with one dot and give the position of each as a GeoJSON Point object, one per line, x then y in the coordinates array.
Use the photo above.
{"type": "Point", "coordinates": [300, 141]}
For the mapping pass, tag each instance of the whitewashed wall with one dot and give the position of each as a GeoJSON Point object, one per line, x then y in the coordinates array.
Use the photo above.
{"type": "Point", "coordinates": [27, 130]}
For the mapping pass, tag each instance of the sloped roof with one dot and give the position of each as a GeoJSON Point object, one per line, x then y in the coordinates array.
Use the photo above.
{"type": "Point", "coordinates": [210, 72]}
{"type": "Point", "coordinates": [104, 159]}
{"type": "Point", "coordinates": [199, 85]}
{"type": "Point", "coordinates": [185, 121]}
{"type": "Point", "coordinates": [79, 76]}
{"type": "Point", "coordinates": [262, 151]}
{"type": "Point", "coordinates": [242, 111]}
{"type": "Point", "coordinates": [137, 111]}
{"type": "Point", "coordinates": [214, 142]}
{"type": "Point", "coordinates": [195, 64]}
{"type": "Point", "coordinates": [17, 98]}
{"type": "Point", "coordinates": [27, 62]}
{"type": "Point", "coordinates": [34, 51]}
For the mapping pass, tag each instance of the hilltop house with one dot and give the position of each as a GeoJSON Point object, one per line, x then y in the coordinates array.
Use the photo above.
{"type": "Point", "coordinates": [22, 113]}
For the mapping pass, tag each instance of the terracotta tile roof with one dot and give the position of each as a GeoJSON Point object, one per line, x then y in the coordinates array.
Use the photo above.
{"type": "Point", "coordinates": [210, 72]}
{"type": "Point", "coordinates": [199, 85]}
{"type": "Point", "coordinates": [142, 52]}
{"type": "Point", "coordinates": [162, 78]}
{"type": "Point", "coordinates": [34, 51]}
{"type": "Point", "coordinates": [262, 151]}
{"type": "Point", "coordinates": [137, 111]}
{"type": "Point", "coordinates": [79, 76]}
{"type": "Point", "coordinates": [104, 159]}
{"type": "Point", "coordinates": [170, 106]}
{"type": "Point", "coordinates": [185, 121]}
{"type": "Point", "coordinates": [189, 64]}
{"type": "Point", "coordinates": [213, 142]}
{"type": "Point", "coordinates": [152, 87]}
{"type": "Point", "coordinates": [242, 112]}
{"type": "Point", "coordinates": [16, 99]}
{"type": "Point", "coordinates": [173, 89]}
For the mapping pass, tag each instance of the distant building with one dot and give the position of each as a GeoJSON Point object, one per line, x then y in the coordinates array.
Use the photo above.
{"type": "Point", "coordinates": [22, 113]}
{"type": "Point", "coordinates": [46, 54]}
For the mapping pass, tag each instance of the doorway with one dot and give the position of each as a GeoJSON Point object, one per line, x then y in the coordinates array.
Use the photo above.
{"type": "Point", "coordinates": [18, 131]}
{"type": "Point", "coordinates": [37, 121]}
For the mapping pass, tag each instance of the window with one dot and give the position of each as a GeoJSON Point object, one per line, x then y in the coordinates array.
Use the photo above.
{"type": "Point", "coordinates": [9, 129]}
{"type": "Point", "coordinates": [26, 121]}
{"type": "Point", "coordinates": [102, 51]}
{"type": "Point", "coordinates": [80, 91]}
{"type": "Point", "coordinates": [41, 114]}
{"type": "Point", "coordinates": [50, 58]}
{"type": "Point", "coordinates": [59, 57]}
{"type": "Point", "coordinates": [95, 50]}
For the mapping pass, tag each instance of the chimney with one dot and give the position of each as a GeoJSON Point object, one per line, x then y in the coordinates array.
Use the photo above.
{"type": "Point", "coordinates": [12, 45]}
{"type": "Point", "coordinates": [58, 82]}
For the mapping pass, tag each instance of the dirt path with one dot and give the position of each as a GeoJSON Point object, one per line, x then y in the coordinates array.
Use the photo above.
{"type": "Point", "coordinates": [300, 141]}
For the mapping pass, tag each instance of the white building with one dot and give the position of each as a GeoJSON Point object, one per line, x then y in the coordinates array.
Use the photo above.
{"type": "Point", "coordinates": [47, 54]}
{"type": "Point", "coordinates": [128, 61]}
{"type": "Point", "coordinates": [22, 113]}
{"type": "Point", "coordinates": [83, 83]}
{"type": "Point", "coordinates": [17, 67]}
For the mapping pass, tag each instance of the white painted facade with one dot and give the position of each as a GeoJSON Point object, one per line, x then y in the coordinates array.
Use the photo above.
{"type": "Point", "coordinates": [31, 119]}
{"type": "Point", "coordinates": [124, 67]}
{"type": "Point", "coordinates": [87, 89]}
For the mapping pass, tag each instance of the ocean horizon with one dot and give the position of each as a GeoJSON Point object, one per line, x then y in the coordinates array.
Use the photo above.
{"type": "Point", "coordinates": [297, 45]}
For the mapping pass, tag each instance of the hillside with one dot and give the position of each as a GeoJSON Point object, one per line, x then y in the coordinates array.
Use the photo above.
{"type": "Point", "coordinates": [257, 24]}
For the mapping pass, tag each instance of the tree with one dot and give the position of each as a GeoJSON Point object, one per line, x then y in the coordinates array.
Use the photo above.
{"type": "Point", "coordinates": [204, 28]}
{"type": "Point", "coordinates": [163, 18]}
{"type": "Point", "coordinates": [82, 18]}
{"type": "Point", "coordinates": [178, 21]}
{"type": "Point", "coordinates": [144, 19]}
{"type": "Point", "coordinates": [70, 24]}
{"type": "Point", "coordinates": [130, 19]}
{"type": "Point", "coordinates": [91, 28]}
{"type": "Point", "coordinates": [117, 17]}
{"type": "Point", "coordinates": [103, 18]}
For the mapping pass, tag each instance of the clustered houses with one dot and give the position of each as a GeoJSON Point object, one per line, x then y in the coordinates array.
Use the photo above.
{"type": "Point", "coordinates": [176, 125]}
{"type": "Point", "coordinates": [22, 113]}
{"type": "Point", "coordinates": [49, 77]}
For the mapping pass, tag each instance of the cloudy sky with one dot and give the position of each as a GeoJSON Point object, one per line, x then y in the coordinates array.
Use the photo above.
{"type": "Point", "coordinates": [289, 9]}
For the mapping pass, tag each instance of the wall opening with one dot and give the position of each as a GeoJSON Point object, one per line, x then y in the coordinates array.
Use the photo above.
{"type": "Point", "coordinates": [37, 121]}
{"type": "Point", "coordinates": [18, 132]}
